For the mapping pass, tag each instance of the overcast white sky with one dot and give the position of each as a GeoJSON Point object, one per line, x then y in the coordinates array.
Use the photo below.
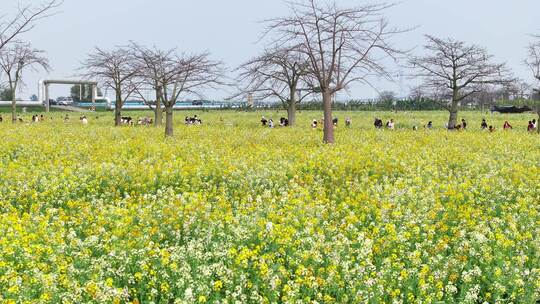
{"type": "Point", "coordinates": [229, 30]}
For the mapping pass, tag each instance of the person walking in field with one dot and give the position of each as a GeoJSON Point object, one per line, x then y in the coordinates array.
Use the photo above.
{"type": "Point", "coordinates": [391, 125]}
{"type": "Point", "coordinates": [264, 121]}
{"type": "Point", "coordinates": [429, 125]}
{"type": "Point", "coordinates": [378, 123]}
{"type": "Point", "coordinates": [348, 122]}
{"type": "Point", "coordinates": [271, 123]}
{"type": "Point", "coordinates": [530, 126]}
{"type": "Point", "coordinates": [491, 129]}
{"type": "Point", "coordinates": [464, 124]}
{"type": "Point", "coordinates": [507, 126]}
{"type": "Point", "coordinates": [484, 124]}
{"type": "Point", "coordinates": [314, 124]}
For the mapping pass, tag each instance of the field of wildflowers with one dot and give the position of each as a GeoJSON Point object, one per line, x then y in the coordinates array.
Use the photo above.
{"type": "Point", "coordinates": [231, 212]}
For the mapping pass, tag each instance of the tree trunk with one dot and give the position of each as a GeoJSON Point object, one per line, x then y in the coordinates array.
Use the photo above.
{"type": "Point", "coordinates": [13, 107]}
{"type": "Point", "coordinates": [291, 108]}
{"type": "Point", "coordinates": [538, 121]}
{"type": "Point", "coordinates": [328, 137]}
{"type": "Point", "coordinates": [158, 114]}
{"type": "Point", "coordinates": [169, 121]}
{"type": "Point", "coordinates": [452, 121]}
{"type": "Point", "coordinates": [117, 116]}
{"type": "Point", "coordinates": [118, 110]}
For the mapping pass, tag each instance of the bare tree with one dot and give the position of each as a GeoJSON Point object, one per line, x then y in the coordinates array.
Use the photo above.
{"type": "Point", "coordinates": [533, 62]}
{"type": "Point", "coordinates": [152, 66]}
{"type": "Point", "coordinates": [185, 75]}
{"type": "Point", "coordinates": [24, 20]}
{"type": "Point", "coordinates": [16, 58]}
{"type": "Point", "coordinates": [453, 71]}
{"type": "Point", "coordinates": [343, 45]}
{"type": "Point", "coordinates": [114, 69]}
{"type": "Point", "coordinates": [280, 73]}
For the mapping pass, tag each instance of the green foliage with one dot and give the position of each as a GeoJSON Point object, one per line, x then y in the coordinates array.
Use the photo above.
{"type": "Point", "coordinates": [6, 94]}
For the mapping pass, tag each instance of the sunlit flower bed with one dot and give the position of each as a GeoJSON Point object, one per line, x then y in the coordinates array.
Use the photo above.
{"type": "Point", "coordinates": [230, 212]}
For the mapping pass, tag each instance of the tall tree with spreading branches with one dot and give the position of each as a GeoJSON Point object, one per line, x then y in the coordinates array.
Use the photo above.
{"type": "Point", "coordinates": [14, 60]}
{"type": "Point", "coordinates": [342, 45]}
{"type": "Point", "coordinates": [533, 62]}
{"type": "Point", "coordinates": [452, 70]}
{"type": "Point", "coordinates": [114, 69]}
{"type": "Point", "coordinates": [280, 73]}
{"type": "Point", "coordinates": [24, 20]}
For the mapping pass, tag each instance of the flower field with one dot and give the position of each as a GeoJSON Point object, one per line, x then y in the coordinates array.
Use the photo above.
{"type": "Point", "coordinates": [231, 212]}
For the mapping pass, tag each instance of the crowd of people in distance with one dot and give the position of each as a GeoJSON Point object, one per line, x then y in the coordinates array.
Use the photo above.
{"type": "Point", "coordinates": [283, 122]}
{"type": "Point", "coordinates": [141, 121]}
{"type": "Point", "coordinates": [391, 125]}
{"type": "Point", "coordinates": [38, 118]}
{"type": "Point", "coordinates": [195, 120]}
{"type": "Point", "coordinates": [145, 121]}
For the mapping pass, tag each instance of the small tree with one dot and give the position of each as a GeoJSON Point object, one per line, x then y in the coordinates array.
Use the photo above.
{"type": "Point", "coordinates": [343, 46]}
{"type": "Point", "coordinates": [387, 99]}
{"type": "Point", "coordinates": [153, 68]}
{"type": "Point", "coordinates": [24, 20]}
{"type": "Point", "coordinates": [452, 71]}
{"type": "Point", "coordinates": [533, 62]}
{"type": "Point", "coordinates": [186, 74]}
{"type": "Point", "coordinates": [280, 73]}
{"type": "Point", "coordinates": [114, 69]}
{"type": "Point", "coordinates": [15, 59]}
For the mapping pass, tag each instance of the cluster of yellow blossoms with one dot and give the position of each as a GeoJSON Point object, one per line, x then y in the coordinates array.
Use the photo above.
{"type": "Point", "coordinates": [231, 212]}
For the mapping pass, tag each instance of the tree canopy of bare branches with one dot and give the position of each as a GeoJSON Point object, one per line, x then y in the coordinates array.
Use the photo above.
{"type": "Point", "coordinates": [14, 59]}
{"type": "Point", "coordinates": [113, 69]}
{"type": "Point", "coordinates": [533, 62]}
{"type": "Point", "coordinates": [24, 20]}
{"type": "Point", "coordinates": [280, 73]}
{"type": "Point", "coordinates": [452, 71]}
{"type": "Point", "coordinates": [186, 74]}
{"type": "Point", "coordinates": [172, 75]}
{"type": "Point", "coordinates": [343, 45]}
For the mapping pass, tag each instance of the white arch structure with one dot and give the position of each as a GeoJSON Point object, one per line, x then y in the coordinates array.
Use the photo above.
{"type": "Point", "coordinates": [43, 90]}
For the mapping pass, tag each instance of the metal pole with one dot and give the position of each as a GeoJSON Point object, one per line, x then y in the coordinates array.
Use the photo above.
{"type": "Point", "coordinates": [47, 103]}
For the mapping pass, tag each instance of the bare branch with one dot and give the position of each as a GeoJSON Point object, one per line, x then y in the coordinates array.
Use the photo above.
{"type": "Point", "coordinates": [453, 70]}
{"type": "Point", "coordinates": [25, 19]}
